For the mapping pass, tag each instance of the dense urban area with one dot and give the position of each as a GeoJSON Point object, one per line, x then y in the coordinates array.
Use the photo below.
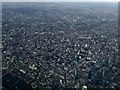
{"type": "Point", "coordinates": [60, 45]}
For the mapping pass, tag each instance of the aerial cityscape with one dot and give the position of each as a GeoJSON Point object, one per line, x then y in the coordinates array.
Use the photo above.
{"type": "Point", "coordinates": [60, 45]}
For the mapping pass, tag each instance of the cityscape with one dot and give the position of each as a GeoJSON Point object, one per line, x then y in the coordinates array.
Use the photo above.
{"type": "Point", "coordinates": [60, 45]}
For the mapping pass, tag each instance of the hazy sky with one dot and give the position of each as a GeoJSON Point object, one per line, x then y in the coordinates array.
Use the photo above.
{"type": "Point", "coordinates": [60, 0]}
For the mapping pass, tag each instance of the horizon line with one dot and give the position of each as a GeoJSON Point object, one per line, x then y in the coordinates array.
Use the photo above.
{"type": "Point", "coordinates": [62, 1]}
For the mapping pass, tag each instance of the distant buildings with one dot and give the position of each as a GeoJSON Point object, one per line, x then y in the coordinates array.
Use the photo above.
{"type": "Point", "coordinates": [63, 45]}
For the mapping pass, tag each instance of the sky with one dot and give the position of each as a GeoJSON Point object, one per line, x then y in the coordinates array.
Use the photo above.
{"type": "Point", "coordinates": [60, 0]}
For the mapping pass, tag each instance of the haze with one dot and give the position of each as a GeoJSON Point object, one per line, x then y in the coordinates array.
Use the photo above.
{"type": "Point", "coordinates": [60, 0]}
